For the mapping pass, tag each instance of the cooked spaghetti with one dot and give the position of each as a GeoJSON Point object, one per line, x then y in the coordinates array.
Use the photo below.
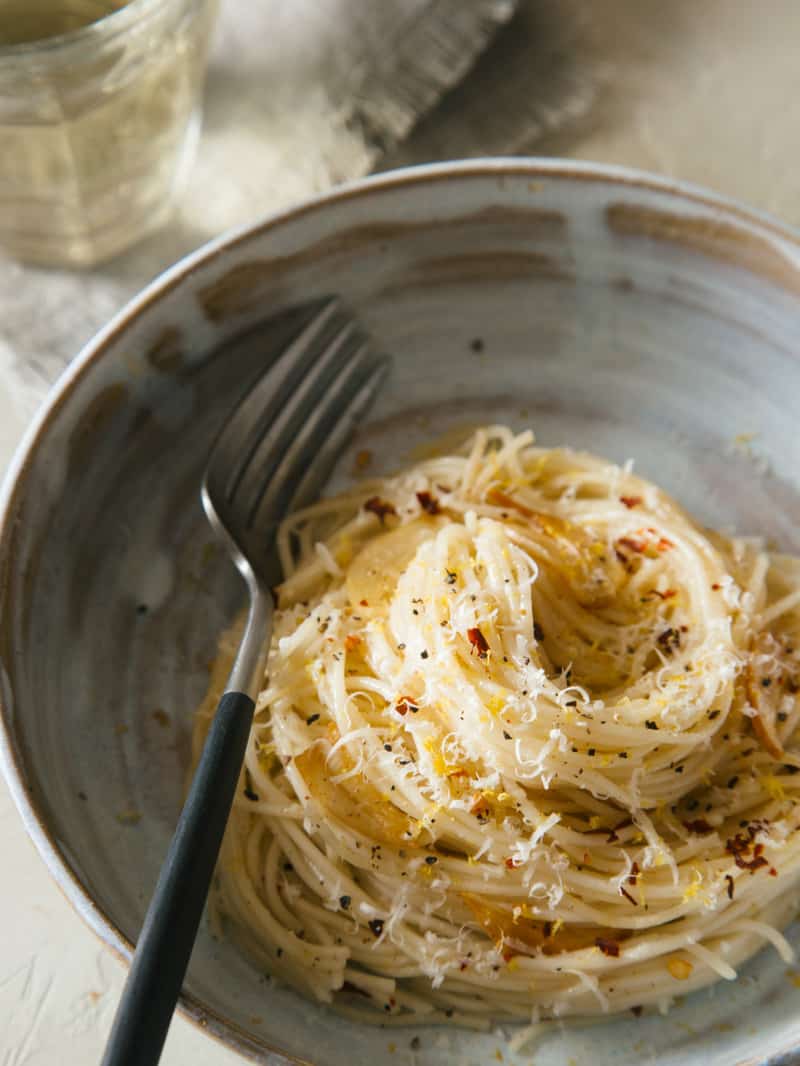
{"type": "Point", "coordinates": [526, 747]}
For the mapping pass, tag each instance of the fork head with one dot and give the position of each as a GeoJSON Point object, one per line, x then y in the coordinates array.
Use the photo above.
{"type": "Point", "coordinates": [278, 448]}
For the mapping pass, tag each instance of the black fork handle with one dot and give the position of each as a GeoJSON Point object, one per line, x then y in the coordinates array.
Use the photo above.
{"type": "Point", "coordinates": [170, 925]}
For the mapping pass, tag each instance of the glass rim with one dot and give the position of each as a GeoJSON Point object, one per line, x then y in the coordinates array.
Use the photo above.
{"type": "Point", "coordinates": [104, 29]}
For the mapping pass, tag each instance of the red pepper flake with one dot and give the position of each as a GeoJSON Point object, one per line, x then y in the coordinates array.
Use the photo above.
{"type": "Point", "coordinates": [665, 595]}
{"type": "Point", "coordinates": [741, 847]}
{"type": "Point", "coordinates": [512, 864]}
{"type": "Point", "coordinates": [428, 503]}
{"type": "Point", "coordinates": [729, 879]}
{"type": "Point", "coordinates": [478, 642]}
{"type": "Point", "coordinates": [641, 543]}
{"type": "Point", "coordinates": [634, 874]}
{"type": "Point", "coordinates": [631, 501]}
{"type": "Point", "coordinates": [716, 586]}
{"type": "Point", "coordinates": [773, 872]}
{"type": "Point", "coordinates": [700, 826]}
{"type": "Point", "coordinates": [406, 704]}
{"type": "Point", "coordinates": [363, 603]}
{"type": "Point", "coordinates": [634, 545]}
{"type": "Point", "coordinates": [608, 947]}
{"type": "Point", "coordinates": [462, 966]}
{"type": "Point", "coordinates": [624, 892]}
{"type": "Point", "coordinates": [379, 507]}
{"type": "Point", "coordinates": [351, 641]}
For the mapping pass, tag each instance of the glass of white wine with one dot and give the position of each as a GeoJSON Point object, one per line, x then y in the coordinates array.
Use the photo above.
{"type": "Point", "coordinates": [99, 118]}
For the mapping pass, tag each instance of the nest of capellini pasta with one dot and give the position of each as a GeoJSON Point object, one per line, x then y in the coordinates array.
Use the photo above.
{"type": "Point", "coordinates": [525, 746]}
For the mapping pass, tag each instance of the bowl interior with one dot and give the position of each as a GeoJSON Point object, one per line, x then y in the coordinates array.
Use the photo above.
{"type": "Point", "coordinates": [605, 312]}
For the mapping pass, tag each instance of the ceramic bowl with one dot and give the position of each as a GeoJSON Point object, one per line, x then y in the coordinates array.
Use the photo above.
{"type": "Point", "coordinates": [606, 309]}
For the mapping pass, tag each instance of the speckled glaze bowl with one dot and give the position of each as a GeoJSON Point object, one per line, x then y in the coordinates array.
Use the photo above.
{"type": "Point", "coordinates": [606, 309]}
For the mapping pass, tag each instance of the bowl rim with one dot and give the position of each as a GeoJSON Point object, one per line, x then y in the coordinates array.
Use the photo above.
{"type": "Point", "coordinates": [208, 1020]}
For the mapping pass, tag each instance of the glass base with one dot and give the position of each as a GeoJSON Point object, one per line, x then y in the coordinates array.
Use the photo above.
{"type": "Point", "coordinates": [131, 214]}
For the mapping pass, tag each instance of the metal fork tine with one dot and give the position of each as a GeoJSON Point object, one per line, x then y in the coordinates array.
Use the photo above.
{"type": "Point", "coordinates": [296, 408]}
{"type": "Point", "coordinates": [276, 491]}
{"type": "Point", "coordinates": [313, 452]}
{"type": "Point", "coordinates": [317, 473]}
{"type": "Point", "coordinates": [284, 438]}
{"type": "Point", "coordinates": [240, 436]}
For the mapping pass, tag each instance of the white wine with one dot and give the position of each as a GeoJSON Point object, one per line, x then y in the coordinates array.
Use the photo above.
{"type": "Point", "coordinates": [26, 21]}
{"type": "Point", "coordinates": [96, 128]}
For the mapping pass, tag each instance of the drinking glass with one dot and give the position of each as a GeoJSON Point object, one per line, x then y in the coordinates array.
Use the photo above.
{"type": "Point", "coordinates": [100, 106]}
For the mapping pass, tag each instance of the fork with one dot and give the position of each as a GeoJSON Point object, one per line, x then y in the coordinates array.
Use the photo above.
{"type": "Point", "coordinates": [272, 456]}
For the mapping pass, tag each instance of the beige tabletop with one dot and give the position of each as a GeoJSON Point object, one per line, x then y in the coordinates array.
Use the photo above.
{"type": "Point", "coordinates": [705, 91]}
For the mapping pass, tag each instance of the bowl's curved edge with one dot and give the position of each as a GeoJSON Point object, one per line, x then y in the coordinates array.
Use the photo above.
{"type": "Point", "coordinates": [498, 167]}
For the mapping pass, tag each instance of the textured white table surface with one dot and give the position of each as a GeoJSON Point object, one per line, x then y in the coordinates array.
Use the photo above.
{"type": "Point", "coordinates": [707, 92]}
